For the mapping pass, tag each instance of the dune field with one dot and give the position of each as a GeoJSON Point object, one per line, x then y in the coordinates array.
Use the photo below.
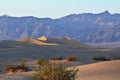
{"type": "Point", "coordinates": [31, 49]}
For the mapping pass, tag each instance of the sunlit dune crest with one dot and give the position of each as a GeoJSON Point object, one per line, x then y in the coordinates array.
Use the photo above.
{"type": "Point", "coordinates": [65, 38]}
{"type": "Point", "coordinates": [43, 38]}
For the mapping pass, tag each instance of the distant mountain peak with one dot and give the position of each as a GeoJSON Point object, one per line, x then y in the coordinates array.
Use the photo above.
{"type": "Point", "coordinates": [5, 15]}
{"type": "Point", "coordinates": [106, 13]}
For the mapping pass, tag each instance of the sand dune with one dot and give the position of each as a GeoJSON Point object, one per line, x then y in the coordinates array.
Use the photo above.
{"type": "Point", "coordinates": [17, 76]}
{"type": "Point", "coordinates": [43, 38]}
{"type": "Point", "coordinates": [100, 71]}
{"type": "Point", "coordinates": [67, 42]}
{"type": "Point", "coordinates": [34, 41]}
{"type": "Point", "coordinates": [109, 70]}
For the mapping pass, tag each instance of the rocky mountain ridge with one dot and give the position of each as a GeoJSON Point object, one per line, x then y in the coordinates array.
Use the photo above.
{"type": "Point", "coordinates": [86, 27]}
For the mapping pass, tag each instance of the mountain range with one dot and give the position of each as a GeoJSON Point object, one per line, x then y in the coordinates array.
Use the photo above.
{"type": "Point", "coordinates": [85, 27]}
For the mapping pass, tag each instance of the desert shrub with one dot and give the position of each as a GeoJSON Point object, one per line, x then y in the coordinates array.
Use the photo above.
{"type": "Point", "coordinates": [55, 72]}
{"type": "Point", "coordinates": [56, 58]}
{"type": "Point", "coordinates": [17, 68]}
{"type": "Point", "coordinates": [71, 58]}
{"type": "Point", "coordinates": [23, 63]}
{"type": "Point", "coordinates": [10, 68]}
{"type": "Point", "coordinates": [22, 67]}
{"type": "Point", "coordinates": [116, 57]}
{"type": "Point", "coordinates": [42, 62]}
{"type": "Point", "coordinates": [101, 58]}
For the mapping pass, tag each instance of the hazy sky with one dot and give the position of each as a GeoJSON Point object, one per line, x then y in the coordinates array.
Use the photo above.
{"type": "Point", "coordinates": [56, 8]}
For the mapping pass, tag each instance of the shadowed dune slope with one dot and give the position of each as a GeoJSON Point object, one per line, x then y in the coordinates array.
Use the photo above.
{"type": "Point", "coordinates": [67, 42]}
{"type": "Point", "coordinates": [109, 70]}
{"type": "Point", "coordinates": [34, 41]}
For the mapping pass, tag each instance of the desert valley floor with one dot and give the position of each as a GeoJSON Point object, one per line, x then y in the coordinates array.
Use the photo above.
{"type": "Point", "coordinates": [31, 49]}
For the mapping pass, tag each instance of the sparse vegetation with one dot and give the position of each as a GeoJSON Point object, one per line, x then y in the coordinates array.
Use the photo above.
{"type": "Point", "coordinates": [17, 68]}
{"type": "Point", "coordinates": [42, 62]}
{"type": "Point", "coordinates": [23, 63]}
{"type": "Point", "coordinates": [101, 58]}
{"type": "Point", "coordinates": [54, 72]}
{"type": "Point", "coordinates": [10, 68]}
{"type": "Point", "coordinates": [71, 58]}
{"type": "Point", "coordinates": [56, 58]}
{"type": "Point", "coordinates": [116, 57]}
